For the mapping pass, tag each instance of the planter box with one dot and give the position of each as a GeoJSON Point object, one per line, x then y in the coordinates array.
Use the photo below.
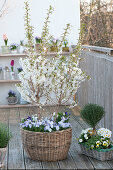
{"type": "Point", "coordinates": [100, 154]}
{"type": "Point", "coordinates": [45, 146]}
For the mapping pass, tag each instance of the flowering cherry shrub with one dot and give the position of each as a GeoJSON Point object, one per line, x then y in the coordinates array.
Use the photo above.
{"type": "Point", "coordinates": [57, 122]}
{"type": "Point", "coordinates": [101, 139]}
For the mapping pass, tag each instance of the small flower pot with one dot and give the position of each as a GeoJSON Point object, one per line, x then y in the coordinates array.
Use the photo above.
{"type": "Point", "coordinates": [2, 156]}
{"type": "Point", "coordinates": [53, 49]}
{"type": "Point", "coordinates": [14, 51]}
{"type": "Point", "coordinates": [65, 49]}
{"type": "Point", "coordinates": [12, 100]}
{"type": "Point", "coordinates": [37, 47]}
{"type": "Point", "coordinates": [5, 49]}
{"type": "Point", "coordinates": [99, 154]}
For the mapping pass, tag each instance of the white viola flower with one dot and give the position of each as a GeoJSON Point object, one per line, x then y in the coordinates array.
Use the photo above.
{"type": "Point", "coordinates": [57, 128]}
{"type": "Point", "coordinates": [54, 113]}
{"type": "Point", "coordinates": [85, 136]}
{"type": "Point", "coordinates": [80, 140]}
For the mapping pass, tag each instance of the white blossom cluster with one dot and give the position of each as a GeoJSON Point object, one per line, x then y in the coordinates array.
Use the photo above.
{"type": "Point", "coordinates": [33, 79]}
{"type": "Point", "coordinates": [55, 80]}
{"type": "Point", "coordinates": [41, 77]}
{"type": "Point", "coordinates": [105, 133]}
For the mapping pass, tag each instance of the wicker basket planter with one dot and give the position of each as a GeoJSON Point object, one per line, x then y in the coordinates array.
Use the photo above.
{"type": "Point", "coordinates": [44, 146]}
{"type": "Point", "coordinates": [102, 154]}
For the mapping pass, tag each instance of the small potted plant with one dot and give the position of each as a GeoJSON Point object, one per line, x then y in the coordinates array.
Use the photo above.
{"type": "Point", "coordinates": [38, 42]}
{"type": "Point", "coordinates": [5, 49]}
{"type": "Point", "coordinates": [13, 48]}
{"type": "Point", "coordinates": [21, 47]}
{"type": "Point", "coordinates": [54, 45]}
{"type": "Point", "coordinates": [5, 136]}
{"type": "Point", "coordinates": [12, 70]}
{"type": "Point", "coordinates": [12, 98]}
{"type": "Point", "coordinates": [94, 142]}
{"type": "Point", "coordinates": [46, 132]}
{"type": "Point", "coordinates": [19, 69]}
{"type": "Point", "coordinates": [65, 48]}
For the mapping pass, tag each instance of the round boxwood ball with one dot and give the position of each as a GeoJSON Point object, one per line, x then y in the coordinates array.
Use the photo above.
{"type": "Point", "coordinates": [92, 114]}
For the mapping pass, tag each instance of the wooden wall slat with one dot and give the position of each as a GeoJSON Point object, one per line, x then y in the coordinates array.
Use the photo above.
{"type": "Point", "coordinates": [99, 89]}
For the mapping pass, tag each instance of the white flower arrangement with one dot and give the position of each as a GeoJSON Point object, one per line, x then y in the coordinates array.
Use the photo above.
{"type": "Point", "coordinates": [105, 133]}
{"type": "Point", "coordinates": [42, 79]}
{"type": "Point", "coordinates": [100, 140]}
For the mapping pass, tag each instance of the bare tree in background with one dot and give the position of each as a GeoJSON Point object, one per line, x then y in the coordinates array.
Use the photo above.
{"type": "Point", "coordinates": [98, 19]}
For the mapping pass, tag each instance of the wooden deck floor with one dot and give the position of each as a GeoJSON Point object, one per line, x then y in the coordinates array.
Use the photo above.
{"type": "Point", "coordinates": [17, 159]}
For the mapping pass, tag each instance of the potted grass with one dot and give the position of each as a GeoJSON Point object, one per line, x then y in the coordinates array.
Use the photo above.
{"type": "Point", "coordinates": [65, 48]}
{"type": "Point", "coordinates": [5, 49]}
{"type": "Point", "coordinates": [94, 142]}
{"type": "Point", "coordinates": [4, 140]}
{"type": "Point", "coordinates": [47, 139]}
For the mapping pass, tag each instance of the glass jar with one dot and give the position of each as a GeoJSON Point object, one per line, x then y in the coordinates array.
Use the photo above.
{"type": "Point", "coordinates": [1, 73]}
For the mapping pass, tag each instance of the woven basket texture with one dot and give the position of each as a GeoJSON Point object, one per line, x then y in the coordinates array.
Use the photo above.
{"type": "Point", "coordinates": [44, 146]}
{"type": "Point", "coordinates": [102, 156]}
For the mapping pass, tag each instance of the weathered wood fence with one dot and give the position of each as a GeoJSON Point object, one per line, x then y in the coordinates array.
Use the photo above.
{"type": "Point", "coordinates": [99, 89]}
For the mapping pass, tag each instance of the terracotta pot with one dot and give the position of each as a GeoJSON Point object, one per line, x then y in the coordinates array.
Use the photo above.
{"type": "Point", "coordinates": [37, 47]}
{"type": "Point", "coordinates": [65, 49]}
{"type": "Point", "coordinates": [53, 49]}
{"type": "Point", "coordinates": [2, 156]}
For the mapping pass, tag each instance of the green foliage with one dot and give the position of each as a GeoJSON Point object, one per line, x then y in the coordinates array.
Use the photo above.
{"type": "Point", "coordinates": [4, 136]}
{"type": "Point", "coordinates": [92, 114]}
{"type": "Point", "coordinates": [96, 142]}
{"type": "Point", "coordinates": [60, 115]}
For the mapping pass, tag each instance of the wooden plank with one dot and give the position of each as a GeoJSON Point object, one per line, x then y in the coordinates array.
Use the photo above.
{"type": "Point", "coordinates": [50, 165]}
{"type": "Point", "coordinates": [10, 81]}
{"type": "Point", "coordinates": [69, 163]}
{"type": "Point", "coordinates": [16, 106]}
{"type": "Point", "coordinates": [15, 157]}
{"type": "Point", "coordinates": [25, 55]}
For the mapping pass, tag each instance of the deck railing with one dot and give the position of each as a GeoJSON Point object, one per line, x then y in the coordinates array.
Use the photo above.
{"type": "Point", "coordinates": [99, 89]}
